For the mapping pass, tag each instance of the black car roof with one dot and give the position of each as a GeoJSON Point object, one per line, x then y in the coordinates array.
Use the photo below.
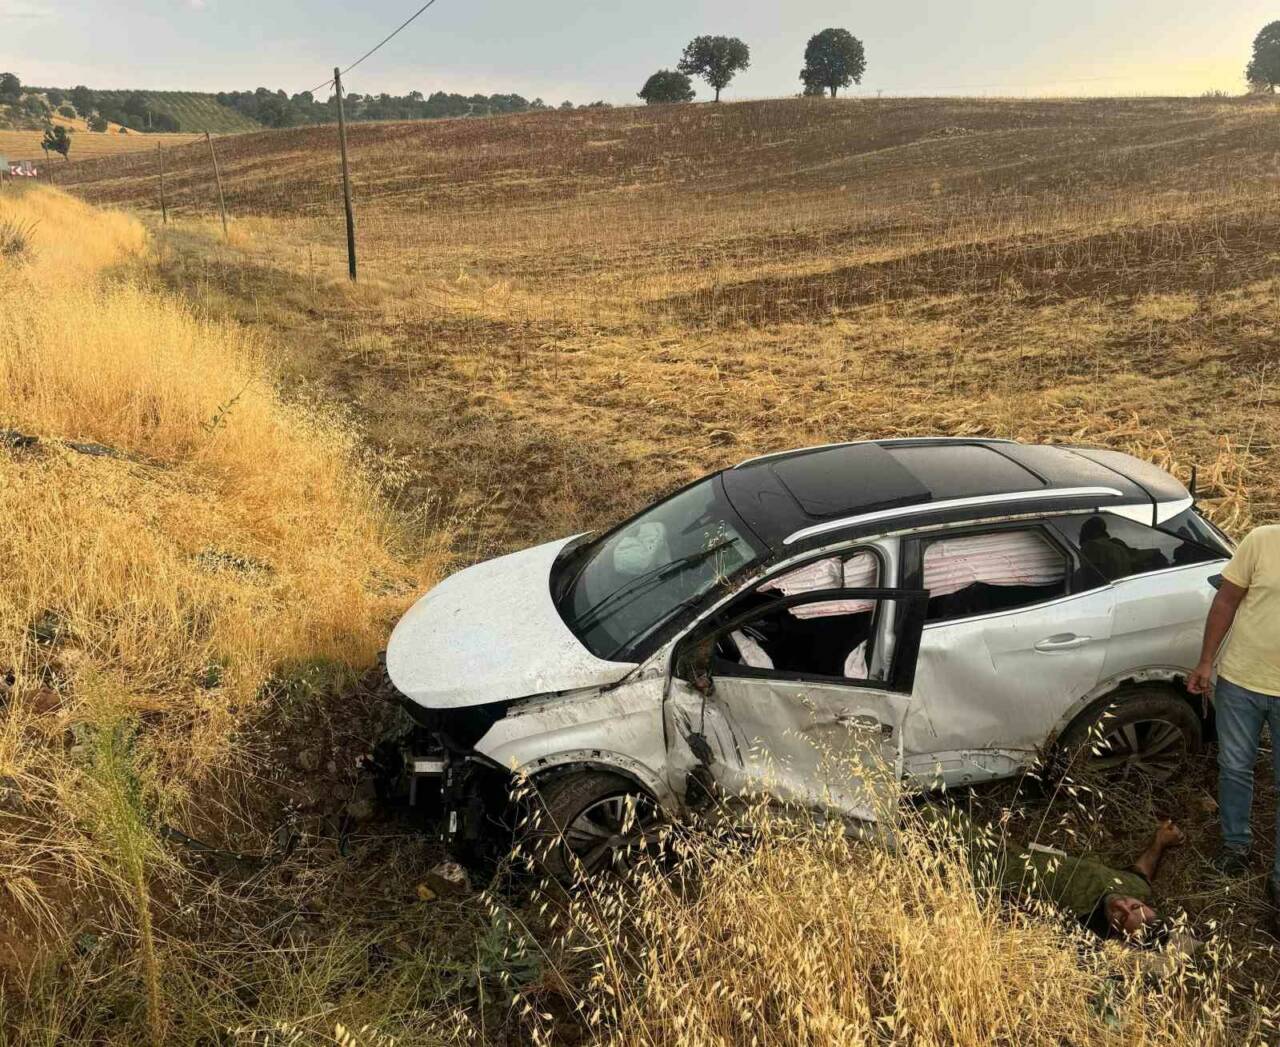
{"type": "Point", "coordinates": [783, 496]}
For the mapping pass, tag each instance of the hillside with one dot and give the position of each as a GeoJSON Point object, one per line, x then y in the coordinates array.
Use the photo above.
{"type": "Point", "coordinates": [195, 111]}
{"type": "Point", "coordinates": [561, 316]}
{"type": "Point", "coordinates": [875, 151]}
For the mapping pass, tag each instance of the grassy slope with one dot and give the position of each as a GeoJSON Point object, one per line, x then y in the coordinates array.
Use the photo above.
{"type": "Point", "coordinates": [220, 555]}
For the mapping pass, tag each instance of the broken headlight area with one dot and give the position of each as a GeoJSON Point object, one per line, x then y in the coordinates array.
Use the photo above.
{"type": "Point", "coordinates": [457, 794]}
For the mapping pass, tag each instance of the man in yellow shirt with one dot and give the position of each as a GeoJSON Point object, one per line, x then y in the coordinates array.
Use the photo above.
{"type": "Point", "coordinates": [1247, 694]}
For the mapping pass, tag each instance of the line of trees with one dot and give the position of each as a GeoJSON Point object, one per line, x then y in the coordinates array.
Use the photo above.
{"type": "Point", "coordinates": [277, 109]}
{"type": "Point", "coordinates": [137, 112]}
{"type": "Point", "coordinates": [833, 58]}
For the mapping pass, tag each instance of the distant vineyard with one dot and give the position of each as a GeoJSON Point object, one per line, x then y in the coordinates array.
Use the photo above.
{"type": "Point", "coordinates": [193, 111]}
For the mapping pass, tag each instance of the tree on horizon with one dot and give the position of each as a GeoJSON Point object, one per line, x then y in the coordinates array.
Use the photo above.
{"type": "Point", "coordinates": [1263, 70]}
{"type": "Point", "coordinates": [10, 88]}
{"type": "Point", "coordinates": [666, 86]}
{"type": "Point", "coordinates": [833, 58]}
{"type": "Point", "coordinates": [716, 59]}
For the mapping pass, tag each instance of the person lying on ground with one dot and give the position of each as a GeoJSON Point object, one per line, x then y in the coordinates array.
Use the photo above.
{"type": "Point", "coordinates": [1112, 903]}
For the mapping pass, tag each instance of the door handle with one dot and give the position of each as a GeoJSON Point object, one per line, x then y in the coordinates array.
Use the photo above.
{"type": "Point", "coordinates": [864, 723]}
{"type": "Point", "coordinates": [1062, 642]}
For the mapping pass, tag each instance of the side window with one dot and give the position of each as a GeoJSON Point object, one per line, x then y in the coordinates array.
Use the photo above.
{"type": "Point", "coordinates": [982, 573]}
{"type": "Point", "coordinates": [831, 638]}
{"type": "Point", "coordinates": [859, 571]}
{"type": "Point", "coordinates": [1120, 548]}
{"type": "Point", "coordinates": [838, 644]}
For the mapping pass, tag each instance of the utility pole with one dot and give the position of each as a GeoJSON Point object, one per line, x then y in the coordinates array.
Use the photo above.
{"type": "Point", "coordinates": [164, 207]}
{"type": "Point", "coordinates": [346, 179]}
{"type": "Point", "coordinates": [222, 200]}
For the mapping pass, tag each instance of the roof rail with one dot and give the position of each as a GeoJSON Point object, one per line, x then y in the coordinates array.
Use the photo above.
{"type": "Point", "coordinates": [951, 503]}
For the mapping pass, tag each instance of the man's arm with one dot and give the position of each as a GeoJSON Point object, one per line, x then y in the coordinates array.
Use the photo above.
{"type": "Point", "coordinates": [1167, 835]}
{"type": "Point", "coordinates": [1216, 627]}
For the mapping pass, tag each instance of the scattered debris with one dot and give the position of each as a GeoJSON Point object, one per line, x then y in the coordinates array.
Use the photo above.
{"type": "Point", "coordinates": [221, 560]}
{"type": "Point", "coordinates": [950, 132]}
{"type": "Point", "coordinates": [17, 441]}
{"type": "Point", "coordinates": [97, 450]}
{"type": "Point", "coordinates": [48, 628]}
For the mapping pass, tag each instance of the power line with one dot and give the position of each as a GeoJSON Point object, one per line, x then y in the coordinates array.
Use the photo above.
{"type": "Point", "coordinates": [378, 46]}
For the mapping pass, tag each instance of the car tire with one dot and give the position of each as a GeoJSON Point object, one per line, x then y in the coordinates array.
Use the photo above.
{"type": "Point", "coordinates": [586, 822]}
{"type": "Point", "coordinates": [1138, 732]}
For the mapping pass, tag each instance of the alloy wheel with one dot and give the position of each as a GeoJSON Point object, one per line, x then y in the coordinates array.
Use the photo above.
{"type": "Point", "coordinates": [1154, 749]}
{"type": "Point", "coordinates": [610, 830]}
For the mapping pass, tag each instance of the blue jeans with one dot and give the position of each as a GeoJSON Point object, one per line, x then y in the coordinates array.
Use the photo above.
{"type": "Point", "coordinates": [1240, 716]}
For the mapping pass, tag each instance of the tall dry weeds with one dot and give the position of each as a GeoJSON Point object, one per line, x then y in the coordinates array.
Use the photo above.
{"type": "Point", "coordinates": [779, 928]}
{"type": "Point", "coordinates": [176, 539]}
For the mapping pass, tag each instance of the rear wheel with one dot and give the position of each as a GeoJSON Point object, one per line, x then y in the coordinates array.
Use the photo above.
{"type": "Point", "coordinates": [590, 821]}
{"type": "Point", "coordinates": [1144, 732]}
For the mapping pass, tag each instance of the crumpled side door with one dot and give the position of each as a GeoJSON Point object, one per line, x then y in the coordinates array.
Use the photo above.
{"type": "Point", "coordinates": [828, 744]}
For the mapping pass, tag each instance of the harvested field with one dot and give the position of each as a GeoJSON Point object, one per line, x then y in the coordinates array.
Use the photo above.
{"type": "Point", "coordinates": [25, 145]}
{"type": "Point", "coordinates": [563, 315]}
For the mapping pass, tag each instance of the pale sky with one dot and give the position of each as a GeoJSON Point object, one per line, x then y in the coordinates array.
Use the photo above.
{"type": "Point", "coordinates": [582, 51]}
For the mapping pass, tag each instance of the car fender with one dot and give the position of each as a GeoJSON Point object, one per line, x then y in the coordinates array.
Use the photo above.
{"type": "Point", "coordinates": [1152, 674]}
{"type": "Point", "coordinates": [605, 760]}
{"type": "Point", "coordinates": [618, 729]}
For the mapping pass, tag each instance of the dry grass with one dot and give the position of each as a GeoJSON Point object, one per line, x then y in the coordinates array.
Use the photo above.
{"type": "Point", "coordinates": [180, 545]}
{"type": "Point", "coordinates": [85, 144]}
{"type": "Point", "coordinates": [787, 931]}
{"type": "Point", "coordinates": [562, 316]}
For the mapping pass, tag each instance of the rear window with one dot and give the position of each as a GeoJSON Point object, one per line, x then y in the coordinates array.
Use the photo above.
{"type": "Point", "coordinates": [1118, 547]}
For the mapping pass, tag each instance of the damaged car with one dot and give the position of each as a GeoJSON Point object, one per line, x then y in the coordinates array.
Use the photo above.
{"type": "Point", "coordinates": [951, 609]}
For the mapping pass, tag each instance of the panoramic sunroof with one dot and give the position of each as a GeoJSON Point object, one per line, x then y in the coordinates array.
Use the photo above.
{"type": "Point", "coordinates": [837, 481]}
{"type": "Point", "coordinates": [964, 470]}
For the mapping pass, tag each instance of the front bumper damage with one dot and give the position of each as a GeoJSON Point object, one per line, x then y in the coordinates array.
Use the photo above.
{"type": "Point", "coordinates": [458, 794]}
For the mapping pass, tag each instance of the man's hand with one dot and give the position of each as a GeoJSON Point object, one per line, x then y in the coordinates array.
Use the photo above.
{"type": "Point", "coordinates": [1168, 834]}
{"type": "Point", "coordinates": [1201, 680]}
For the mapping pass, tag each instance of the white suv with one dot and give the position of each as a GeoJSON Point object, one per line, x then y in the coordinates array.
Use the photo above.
{"type": "Point", "coordinates": [956, 609]}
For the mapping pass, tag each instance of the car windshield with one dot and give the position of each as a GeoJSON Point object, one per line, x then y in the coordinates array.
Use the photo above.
{"type": "Point", "coordinates": [636, 577]}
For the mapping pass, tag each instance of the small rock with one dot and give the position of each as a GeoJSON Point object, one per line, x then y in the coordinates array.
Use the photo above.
{"type": "Point", "coordinates": [46, 700]}
{"type": "Point", "coordinates": [444, 879]}
{"type": "Point", "coordinates": [307, 760]}
{"type": "Point", "coordinates": [331, 767]}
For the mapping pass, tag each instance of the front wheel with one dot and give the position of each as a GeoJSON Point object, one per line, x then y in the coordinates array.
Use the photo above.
{"type": "Point", "coordinates": [590, 821]}
{"type": "Point", "coordinates": [1141, 732]}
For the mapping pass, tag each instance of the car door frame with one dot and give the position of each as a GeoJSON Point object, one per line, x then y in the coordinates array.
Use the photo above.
{"type": "Point", "coordinates": [994, 761]}
{"type": "Point", "coordinates": [691, 691]}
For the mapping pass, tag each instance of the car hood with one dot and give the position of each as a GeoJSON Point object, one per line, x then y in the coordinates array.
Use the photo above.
{"type": "Point", "coordinates": [491, 633]}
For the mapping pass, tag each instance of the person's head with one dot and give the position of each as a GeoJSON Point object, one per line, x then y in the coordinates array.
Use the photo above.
{"type": "Point", "coordinates": [1131, 917]}
{"type": "Point", "coordinates": [1093, 528]}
